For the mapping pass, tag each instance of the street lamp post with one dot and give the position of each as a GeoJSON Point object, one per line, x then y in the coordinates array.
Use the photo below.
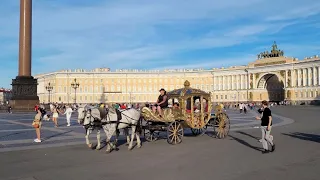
{"type": "Point", "coordinates": [49, 88]}
{"type": "Point", "coordinates": [75, 86]}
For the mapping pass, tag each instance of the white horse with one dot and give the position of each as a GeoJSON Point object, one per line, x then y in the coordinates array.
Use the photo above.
{"type": "Point", "coordinates": [94, 122]}
{"type": "Point", "coordinates": [128, 118]}
{"type": "Point", "coordinates": [94, 119]}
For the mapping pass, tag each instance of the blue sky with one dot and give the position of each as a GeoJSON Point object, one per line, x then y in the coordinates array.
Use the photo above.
{"type": "Point", "coordinates": [157, 34]}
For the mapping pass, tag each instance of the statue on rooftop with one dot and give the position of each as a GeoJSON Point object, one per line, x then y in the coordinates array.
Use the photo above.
{"type": "Point", "coordinates": [274, 46]}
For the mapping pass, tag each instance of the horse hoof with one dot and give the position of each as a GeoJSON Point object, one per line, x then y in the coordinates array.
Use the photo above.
{"type": "Point", "coordinates": [90, 145]}
{"type": "Point", "coordinates": [98, 148]}
{"type": "Point", "coordinates": [139, 146]}
{"type": "Point", "coordinates": [130, 148]}
{"type": "Point", "coordinates": [116, 149]}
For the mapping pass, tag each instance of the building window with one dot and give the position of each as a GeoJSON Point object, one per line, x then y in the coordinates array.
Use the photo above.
{"type": "Point", "coordinates": [221, 96]}
{"type": "Point", "coordinates": [225, 96]}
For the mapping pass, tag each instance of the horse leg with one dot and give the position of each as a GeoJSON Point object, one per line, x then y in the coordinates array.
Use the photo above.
{"type": "Point", "coordinates": [126, 132]}
{"type": "Point", "coordinates": [88, 132]}
{"type": "Point", "coordinates": [98, 139]}
{"type": "Point", "coordinates": [112, 131]}
{"type": "Point", "coordinates": [108, 135]}
{"type": "Point", "coordinates": [138, 139]}
{"type": "Point", "coordinates": [117, 137]}
{"type": "Point", "coordinates": [133, 129]}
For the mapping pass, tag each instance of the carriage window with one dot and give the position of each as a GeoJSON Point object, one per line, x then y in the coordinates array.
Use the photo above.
{"type": "Point", "coordinates": [188, 104]}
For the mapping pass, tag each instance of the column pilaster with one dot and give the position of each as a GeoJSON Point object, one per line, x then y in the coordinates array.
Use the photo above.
{"type": "Point", "coordinates": [304, 77]}
{"type": "Point", "coordinates": [286, 79]}
{"type": "Point", "coordinates": [315, 81]}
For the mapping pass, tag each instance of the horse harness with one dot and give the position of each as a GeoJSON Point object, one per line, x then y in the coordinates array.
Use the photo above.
{"type": "Point", "coordinates": [98, 123]}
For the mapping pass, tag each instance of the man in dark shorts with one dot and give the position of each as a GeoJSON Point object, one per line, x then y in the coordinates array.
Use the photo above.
{"type": "Point", "coordinates": [266, 125]}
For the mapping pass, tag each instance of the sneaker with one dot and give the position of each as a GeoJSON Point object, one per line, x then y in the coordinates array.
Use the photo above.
{"type": "Point", "coordinates": [68, 125]}
{"type": "Point", "coordinates": [273, 147]}
{"type": "Point", "coordinates": [37, 140]}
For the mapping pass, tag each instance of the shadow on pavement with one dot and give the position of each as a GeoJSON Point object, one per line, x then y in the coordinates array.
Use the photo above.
{"type": "Point", "coordinates": [240, 132]}
{"type": "Point", "coordinates": [55, 135]}
{"type": "Point", "coordinates": [245, 143]}
{"type": "Point", "coordinates": [8, 135]}
{"type": "Point", "coordinates": [304, 136]}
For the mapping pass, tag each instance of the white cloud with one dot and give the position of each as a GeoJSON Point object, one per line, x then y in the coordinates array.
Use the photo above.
{"type": "Point", "coordinates": [125, 33]}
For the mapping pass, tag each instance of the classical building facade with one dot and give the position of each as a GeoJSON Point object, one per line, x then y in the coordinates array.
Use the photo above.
{"type": "Point", "coordinates": [272, 77]}
{"type": "Point", "coordinates": [5, 95]}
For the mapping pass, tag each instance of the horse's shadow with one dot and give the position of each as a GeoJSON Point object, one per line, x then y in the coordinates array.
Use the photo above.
{"type": "Point", "coordinates": [121, 142]}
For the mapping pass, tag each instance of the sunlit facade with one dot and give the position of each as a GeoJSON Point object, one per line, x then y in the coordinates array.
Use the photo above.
{"type": "Point", "coordinates": [272, 77]}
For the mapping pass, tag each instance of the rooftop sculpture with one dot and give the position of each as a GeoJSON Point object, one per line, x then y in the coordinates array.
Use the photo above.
{"type": "Point", "coordinates": [275, 52]}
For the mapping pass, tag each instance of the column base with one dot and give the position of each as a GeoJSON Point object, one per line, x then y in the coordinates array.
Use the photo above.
{"type": "Point", "coordinates": [24, 93]}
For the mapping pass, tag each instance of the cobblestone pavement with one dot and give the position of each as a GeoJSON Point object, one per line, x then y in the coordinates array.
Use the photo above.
{"type": "Point", "coordinates": [16, 132]}
{"type": "Point", "coordinates": [237, 157]}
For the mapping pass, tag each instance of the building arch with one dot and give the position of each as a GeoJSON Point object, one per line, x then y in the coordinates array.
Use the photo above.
{"type": "Point", "coordinates": [271, 87]}
{"type": "Point", "coordinates": [262, 79]}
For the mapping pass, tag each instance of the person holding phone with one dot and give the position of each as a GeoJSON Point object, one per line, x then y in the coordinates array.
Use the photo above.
{"type": "Point", "coordinates": [266, 125]}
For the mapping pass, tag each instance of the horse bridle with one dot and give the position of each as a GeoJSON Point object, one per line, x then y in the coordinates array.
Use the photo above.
{"type": "Point", "coordinates": [85, 111]}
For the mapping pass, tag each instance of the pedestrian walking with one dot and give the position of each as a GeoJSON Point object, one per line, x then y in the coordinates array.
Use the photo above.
{"type": "Point", "coordinates": [37, 125]}
{"type": "Point", "coordinates": [55, 116]}
{"type": "Point", "coordinates": [240, 107]}
{"type": "Point", "coordinates": [266, 126]}
{"type": "Point", "coordinates": [68, 114]}
{"type": "Point", "coordinates": [9, 109]}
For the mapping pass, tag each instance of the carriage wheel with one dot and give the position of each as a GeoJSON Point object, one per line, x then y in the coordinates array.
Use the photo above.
{"type": "Point", "coordinates": [200, 131]}
{"type": "Point", "coordinates": [150, 136]}
{"type": "Point", "coordinates": [222, 126]}
{"type": "Point", "coordinates": [174, 133]}
{"type": "Point", "coordinates": [210, 128]}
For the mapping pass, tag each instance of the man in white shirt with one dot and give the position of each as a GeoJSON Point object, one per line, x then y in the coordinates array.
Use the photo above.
{"type": "Point", "coordinates": [68, 113]}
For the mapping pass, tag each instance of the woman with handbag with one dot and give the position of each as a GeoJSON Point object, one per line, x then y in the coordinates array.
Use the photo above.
{"type": "Point", "coordinates": [37, 125]}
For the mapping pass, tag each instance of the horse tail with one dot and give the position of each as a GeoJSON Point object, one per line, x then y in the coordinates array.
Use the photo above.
{"type": "Point", "coordinates": [139, 127]}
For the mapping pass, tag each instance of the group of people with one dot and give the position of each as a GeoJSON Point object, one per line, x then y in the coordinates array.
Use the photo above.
{"type": "Point", "coordinates": [42, 115]}
{"type": "Point", "coordinates": [161, 103]}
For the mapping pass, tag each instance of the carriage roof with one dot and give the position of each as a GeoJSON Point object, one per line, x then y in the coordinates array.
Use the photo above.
{"type": "Point", "coordinates": [187, 91]}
